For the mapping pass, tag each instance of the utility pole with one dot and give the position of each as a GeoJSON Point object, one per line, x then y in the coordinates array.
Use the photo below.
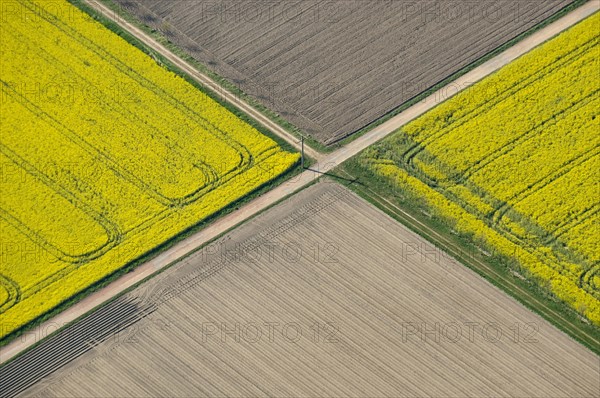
{"type": "Point", "coordinates": [302, 156]}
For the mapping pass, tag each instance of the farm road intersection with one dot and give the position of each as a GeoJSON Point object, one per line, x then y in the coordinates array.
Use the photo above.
{"type": "Point", "coordinates": [324, 164]}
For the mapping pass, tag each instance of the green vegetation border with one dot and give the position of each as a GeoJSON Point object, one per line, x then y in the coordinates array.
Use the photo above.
{"type": "Point", "coordinates": [501, 271]}
{"type": "Point", "coordinates": [221, 81]}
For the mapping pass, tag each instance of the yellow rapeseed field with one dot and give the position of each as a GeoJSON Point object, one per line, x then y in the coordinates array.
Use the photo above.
{"type": "Point", "coordinates": [514, 160]}
{"type": "Point", "coordinates": [104, 156]}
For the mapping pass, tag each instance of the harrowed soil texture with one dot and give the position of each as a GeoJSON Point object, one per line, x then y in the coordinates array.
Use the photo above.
{"type": "Point", "coordinates": [332, 67]}
{"type": "Point", "coordinates": [322, 295]}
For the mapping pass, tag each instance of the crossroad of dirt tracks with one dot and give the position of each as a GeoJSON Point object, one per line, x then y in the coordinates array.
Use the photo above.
{"type": "Point", "coordinates": [324, 164]}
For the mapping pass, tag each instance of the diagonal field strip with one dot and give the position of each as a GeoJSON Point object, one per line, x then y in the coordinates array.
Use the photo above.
{"type": "Point", "coordinates": [325, 164]}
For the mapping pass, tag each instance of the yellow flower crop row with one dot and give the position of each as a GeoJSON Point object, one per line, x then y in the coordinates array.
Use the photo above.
{"type": "Point", "coordinates": [105, 155]}
{"type": "Point", "coordinates": [513, 160]}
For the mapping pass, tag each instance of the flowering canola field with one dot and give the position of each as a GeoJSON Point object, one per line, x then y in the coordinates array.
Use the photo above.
{"type": "Point", "coordinates": [104, 155]}
{"type": "Point", "coordinates": [514, 160]}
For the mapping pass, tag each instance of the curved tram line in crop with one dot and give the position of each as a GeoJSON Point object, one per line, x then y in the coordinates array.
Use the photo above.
{"type": "Point", "coordinates": [159, 164]}
{"type": "Point", "coordinates": [560, 82]}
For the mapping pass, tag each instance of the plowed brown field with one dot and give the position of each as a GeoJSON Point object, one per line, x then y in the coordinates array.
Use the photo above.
{"type": "Point", "coordinates": [324, 295]}
{"type": "Point", "coordinates": [332, 67]}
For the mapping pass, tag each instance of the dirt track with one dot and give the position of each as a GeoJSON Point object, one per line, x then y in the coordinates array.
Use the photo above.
{"type": "Point", "coordinates": [327, 163]}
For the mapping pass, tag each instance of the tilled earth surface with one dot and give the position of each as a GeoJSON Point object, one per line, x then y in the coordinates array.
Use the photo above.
{"type": "Point", "coordinates": [332, 67]}
{"type": "Point", "coordinates": [323, 295]}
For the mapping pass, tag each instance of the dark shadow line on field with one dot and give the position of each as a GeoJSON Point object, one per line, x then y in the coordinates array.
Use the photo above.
{"type": "Point", "coordinates": [337, 177]}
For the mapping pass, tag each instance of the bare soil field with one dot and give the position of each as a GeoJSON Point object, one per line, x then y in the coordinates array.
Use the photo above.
{"type": "Point", "coordinates": [332, 67]}
{"type": "Point", "coordinates": [322, 295]}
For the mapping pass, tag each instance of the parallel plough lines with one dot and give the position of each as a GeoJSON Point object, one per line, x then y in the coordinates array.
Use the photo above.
{"type": "Point", "coordinates": [174, 286]}
{"type": "Point", "coordinates": [58, 350]}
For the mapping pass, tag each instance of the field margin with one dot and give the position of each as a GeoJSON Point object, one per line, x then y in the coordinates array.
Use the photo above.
{"type": "Point", "coordinates": [224, 83]}
{"type": "Point", "coordinates": [131, 266]}
{"type": "Point", "coordinates": [267, 186]}
{"type": "Point", "coordinates": [419, 217]}
{"type": "Point", "coordinates": [120, 12]}
{"type": "Point", "coordinates": [442, 83]}
{"type": "Point", "coordinates": [307, 177]}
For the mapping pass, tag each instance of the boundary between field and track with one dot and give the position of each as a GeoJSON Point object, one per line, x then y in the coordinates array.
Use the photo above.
{"type": "Point", "coordinates": [407, 215]}
{"type": "Point", "coordinates": [227, 85]}
{"type": "Point", "coordinates": [202, 78]}
{"type": "Point", "coordinates": [324, 165]}
{"type": "Point", "coordinates": [446, 81]}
